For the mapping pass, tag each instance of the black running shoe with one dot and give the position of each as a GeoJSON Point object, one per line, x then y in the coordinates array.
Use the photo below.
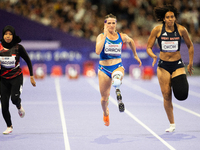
{"type": "Point", "coordinates": [119, 99]}
{"type": "Point", "coordinates": [121, 107]}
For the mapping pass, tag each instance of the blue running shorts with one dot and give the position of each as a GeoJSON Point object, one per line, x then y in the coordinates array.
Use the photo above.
{"type": "Point", "coordinates": [108, 70]}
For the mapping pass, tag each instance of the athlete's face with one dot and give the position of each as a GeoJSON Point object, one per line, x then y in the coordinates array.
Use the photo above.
{"type": "Point", "coordinates": [169, 18]}
{"type": "Point", "coordinates": [8, 37]}
{"type": "Point", "coordinates": [111, 24]}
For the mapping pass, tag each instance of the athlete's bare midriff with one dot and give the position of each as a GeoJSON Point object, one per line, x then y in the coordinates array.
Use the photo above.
{"type": "Point", "coordinates": [110, 62]}
{"type": "Point", "coordinates": [170, 56]}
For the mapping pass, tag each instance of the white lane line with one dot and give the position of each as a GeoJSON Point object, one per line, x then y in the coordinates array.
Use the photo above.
{"type": "Point", "coordinates": [194, 93]}
{"type": "Point", "coordinates": [95, 86]}
{"type": "Point", "coordinates": [193, 82]}
{"type": "Point", "coordinates": [62, 115]}
{"type": "Point", "coordinates": [190, 92]}
{"type": "Point", "coordinates": [155, 96]}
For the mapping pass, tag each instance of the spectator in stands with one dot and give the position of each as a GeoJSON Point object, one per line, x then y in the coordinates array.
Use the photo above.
{"type": "Point", "coordinates": [82, 12]}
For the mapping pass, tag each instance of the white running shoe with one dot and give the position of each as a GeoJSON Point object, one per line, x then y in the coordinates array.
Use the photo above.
{"type": "Point", "coordinates": [8, 130]}
{"type": "Point", "coordinates": [21, 112]}
{"type": "Point", "coordinates": [171, 128]}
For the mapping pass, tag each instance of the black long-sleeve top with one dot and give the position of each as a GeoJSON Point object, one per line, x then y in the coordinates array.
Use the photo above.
{"type": "Point", "coordinates": [10, 61]}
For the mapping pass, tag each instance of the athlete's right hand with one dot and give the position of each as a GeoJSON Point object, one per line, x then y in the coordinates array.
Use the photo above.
{"type": "Point", "coordinates": [32, 81]}
{"type": "Point", "coordinates": [105, 31]}
{"type": "Point", "coordinates": [154, 60]}
{"type": "Point", "coordinates": [190, 69]}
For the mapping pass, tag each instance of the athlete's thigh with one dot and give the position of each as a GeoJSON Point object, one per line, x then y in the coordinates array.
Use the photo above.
{"type": "Point", "coordinates": [17, 85]}
{"type": "Point", "coordinates": [119, 69]}
{"type": "Point", "coordinates": [104, 83]}
{"type": "Point", "coordinates": [5, 91]}
{"type": "Point", "coordinates": [164, 79]}
{"type": "Point", "coordinates": [178, 72]}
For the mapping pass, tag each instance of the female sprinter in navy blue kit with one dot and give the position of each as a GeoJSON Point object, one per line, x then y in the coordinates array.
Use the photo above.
{"type": "Point", "coordinates": [170, 71]}
{"type": "Point", "coordinates": [111, 70]}
{"type": "Point", "coordinates": [11, 80]}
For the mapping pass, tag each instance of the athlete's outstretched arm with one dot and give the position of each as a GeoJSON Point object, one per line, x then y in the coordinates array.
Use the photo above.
{"type": "Point", "coordinates": [128, 40]}
{"type": "Point", "coordinates": [150, 44]}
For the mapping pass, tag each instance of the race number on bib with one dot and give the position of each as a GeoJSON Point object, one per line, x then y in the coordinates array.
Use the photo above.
{"type": "Point", "coordinates": [7, 62]}
{"type": "Point", "coordinates": [169, 46]}
{"type": "Point", "coordinates": [113, 49]}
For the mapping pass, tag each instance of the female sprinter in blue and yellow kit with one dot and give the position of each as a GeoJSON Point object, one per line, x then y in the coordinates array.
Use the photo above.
{"type": "Point", "coordinates": [111, 70]}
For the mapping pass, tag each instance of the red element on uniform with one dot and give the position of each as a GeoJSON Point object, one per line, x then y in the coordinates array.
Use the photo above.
{"type": "Point", "coordinates": [1, 47]}
{"type": "Point", "coordinates": [174, 38]}
{"type": "Point", "coordinates": [164, 38]}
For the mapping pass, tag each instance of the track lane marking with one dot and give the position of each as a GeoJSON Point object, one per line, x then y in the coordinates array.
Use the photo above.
{"type": "Point", "coordinates": [62, 115]}
{"type": "Point", "coordinates": [160, 98]}
{"type": "Point", "coordinates": [95, 86]}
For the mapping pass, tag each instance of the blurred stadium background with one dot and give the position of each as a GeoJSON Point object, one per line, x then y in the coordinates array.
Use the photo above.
{"type": "Point", "coordinates": [60, 35]}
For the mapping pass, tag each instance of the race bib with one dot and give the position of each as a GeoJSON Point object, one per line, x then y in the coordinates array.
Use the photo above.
{"type": "Point", "coordinates": [7, 62]}
{"type": "Point", "coordinates": [169, 46]}
{"type": "Point", "coordinates": [113, 49]}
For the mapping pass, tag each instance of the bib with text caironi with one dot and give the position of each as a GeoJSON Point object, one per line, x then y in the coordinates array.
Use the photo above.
{"type": "Point", "coordinates": [113, 49]}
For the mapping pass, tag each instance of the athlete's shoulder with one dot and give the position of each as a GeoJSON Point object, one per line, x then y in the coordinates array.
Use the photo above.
{"type": "Point", "coordinates": [20, 46]}
{"type": "Point", "coordinates": [122, 34]}
{"type": "Point", "coordinates": [125, 38]}
{"type": "Point", "coordinates": [157, 28]}
{"type": "Point", "coordinates": [182, 30]}
{"type": "Point", "coordinates": [100, 36]}
{"type": "Point", "coordinates": [156, 31]}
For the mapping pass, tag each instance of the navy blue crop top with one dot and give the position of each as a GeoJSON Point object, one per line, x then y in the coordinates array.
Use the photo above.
{"type": "Point", "coordinates": [169, 41]}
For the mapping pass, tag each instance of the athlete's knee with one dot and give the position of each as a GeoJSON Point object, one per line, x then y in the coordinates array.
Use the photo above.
{"type": "Point", "coordinates": [180, 87]}
{"type": "Point", "coordinates": [15, 98]}
{"type": "Point", "coordinates": [104, 98]}
{"type": "Point", "coordinates": [167, 96]}
{"type": "Point", "coordinates": [117, 79]}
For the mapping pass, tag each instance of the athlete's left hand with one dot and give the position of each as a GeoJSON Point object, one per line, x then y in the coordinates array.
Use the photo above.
{"type": "Point", "coordinates": [154, 60]}
{"type": "Point", "coordinates": [138, 60]}
{"type": "Point", "coordinates": [32, 81]}
{"type": "Point", "coordinates": [190, 69]}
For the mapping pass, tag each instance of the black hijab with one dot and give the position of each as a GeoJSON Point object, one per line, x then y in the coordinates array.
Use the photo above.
{"type": "Point", "coordinates": [16, 39]}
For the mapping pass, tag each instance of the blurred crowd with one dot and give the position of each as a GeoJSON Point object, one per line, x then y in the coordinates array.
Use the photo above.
{"type": "Point", "coordinates": [85, 18]}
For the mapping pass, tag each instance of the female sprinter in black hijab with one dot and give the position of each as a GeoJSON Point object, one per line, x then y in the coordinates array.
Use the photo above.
{"type": "Point", "coordinates": [11, 80]}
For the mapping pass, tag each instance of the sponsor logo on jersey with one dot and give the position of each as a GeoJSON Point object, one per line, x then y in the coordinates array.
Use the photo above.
{"type": "Point", "coordinates": [165, 34]}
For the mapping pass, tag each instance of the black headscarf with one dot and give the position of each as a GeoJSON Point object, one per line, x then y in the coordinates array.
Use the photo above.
{"type": "Point", "coordinates": [16, 39]}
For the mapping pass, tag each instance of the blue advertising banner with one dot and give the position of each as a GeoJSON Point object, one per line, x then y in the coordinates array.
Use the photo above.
{"type": "Point", "coordinates": [63, 57]}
